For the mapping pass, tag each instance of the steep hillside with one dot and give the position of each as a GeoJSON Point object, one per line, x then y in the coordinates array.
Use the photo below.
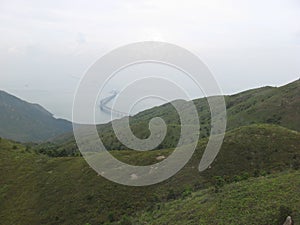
{"type": "Point", "coordinates": [26, 122]}
{"type": "Point", "coordinates": [37, 189]}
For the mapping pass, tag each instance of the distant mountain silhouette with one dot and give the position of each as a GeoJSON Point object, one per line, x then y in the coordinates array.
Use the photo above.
{"type": "Point", "coordinates": [27, 122]}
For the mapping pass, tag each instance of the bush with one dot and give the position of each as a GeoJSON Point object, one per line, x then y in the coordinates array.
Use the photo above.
{"type": "Point", "coordinates": [125, 221]}
{"type": "Point", "coordinates": [111, 217]}
{"type": "Point", "coordinates": [284, 212]}
{"type": "Point", "coordinates": [295, 163]}
{"type": "Point", "coordinates": [237, 178]}
{"type": "Point", "coordinates": [245, 176]}
{"type": "Point", "coordinates": [187, 192]}
{"type": "Point", "coordinates": [171, 194]}
{"type": "Point", "coordinates": [263, 173]}
{"type": "Point", "coordinates": [27, 149]}
{"type": "Point", "coordinates": [256, 173]}
{"type": "Point", "coordinates": [219, 182]}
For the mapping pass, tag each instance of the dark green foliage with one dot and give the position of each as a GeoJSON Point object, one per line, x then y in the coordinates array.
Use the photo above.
{"type": "Point", "coordinates": [27, 148]}
{"type": "Point", "coordinates": [111, 217]}
{"type": "Point", "coordinates": [266, 200]}
{"type": "Point", "coordinates": [295, 162]}
{"type": "Point", "coordinates": [256, 173]}
{"type": "Point", "coordinates": [218, 182]}
{"type": "Point", "coordinates": [187, 191]}
{"type": "Point", "coordinates": [245, 176]}
{"type": "Point", "coordinates": [125, 221]}
{"type": "Point", "coordinates": [26, 122]}
{"type": "Point", "coordinates": [56, 150]}
{"type": "Point", "coordinates": [284, 212]}
{"type": "Point", "coordinates": [171, 195]}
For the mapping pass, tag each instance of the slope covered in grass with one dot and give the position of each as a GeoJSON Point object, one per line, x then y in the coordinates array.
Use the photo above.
{"type": "Point", "coordinates": [270, 105]}
{"type": "Point", "coordinates": [266, 105]}
{"type": "Point", "coordinates": [264, 200]}
{"type": "Point", "coordinates": [37, 189]}
{"type": "Point", "coordinates": [27, 122]}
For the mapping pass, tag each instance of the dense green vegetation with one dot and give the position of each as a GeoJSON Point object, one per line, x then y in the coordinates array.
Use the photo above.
{"type": "Point", "coordinates": [37, 189]}
{"type": "Point", "coordinates": [26, 122]}
{"type": "Point", "coordinates": [264, 200]}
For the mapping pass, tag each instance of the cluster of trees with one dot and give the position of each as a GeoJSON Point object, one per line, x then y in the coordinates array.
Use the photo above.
{"type": "Point", "coordinates": [55, 150]}
{"type": "Point", "coordinates": [219, 181]}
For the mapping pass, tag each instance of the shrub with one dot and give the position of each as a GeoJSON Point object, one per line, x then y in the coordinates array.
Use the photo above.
{"type": "Point", "coordinates": [237, 178]}
{"type": "Point", "coordinates": [284, 212]}
{"type": "Point", "coordinates": [256, 173]}
{"type": "Point", "coordinates": [245, 176]}
{"type": "Point", "coordinates": [187, 191]}
{"type": "Point", "coordinates": [219, 182]}
{"type": "Point", "coordinates": [111, 217]}
{"type": "Point", "coordinates": [27, 149]}
{"type": "Point", "coordinates": [263, 173]}
{"type": "Point", "coordinates": [125, 221]}
{"type": "Point", "coordinates": [171, 194]}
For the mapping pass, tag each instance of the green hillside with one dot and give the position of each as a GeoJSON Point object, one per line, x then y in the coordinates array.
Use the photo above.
{"type": "Point", "coordinates": [26, 122]}
{"type": "Point", "coordinates": [270, 105]}
{"type": "Point", "coordinates": [37, 189]}
{"type": "Point", "coordinates": [266, 105]}
{"type": "Point", "coordinates": [264, 200]}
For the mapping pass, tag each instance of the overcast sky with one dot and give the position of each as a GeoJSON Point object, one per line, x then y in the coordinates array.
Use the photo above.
{"type": "Point", "coordinates": [46, 46]}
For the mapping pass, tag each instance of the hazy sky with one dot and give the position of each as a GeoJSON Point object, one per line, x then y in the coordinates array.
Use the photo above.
{"type": "Point", "coordinates": [46, 46]}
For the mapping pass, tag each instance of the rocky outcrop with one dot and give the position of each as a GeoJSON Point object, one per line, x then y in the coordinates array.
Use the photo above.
{"type": "Point", "coordinates": [288, 221]}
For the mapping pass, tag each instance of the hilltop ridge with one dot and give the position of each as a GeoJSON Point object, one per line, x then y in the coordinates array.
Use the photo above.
{"type": "Point", "coordinates": [27, 122]}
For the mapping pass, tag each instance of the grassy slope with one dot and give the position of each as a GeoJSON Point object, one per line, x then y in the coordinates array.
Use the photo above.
{"type": "Point", "coordinates": [280, 106]}
{"type": "Point", "coordinates": [26, 122]}
{"type": "Point", "coordinates": [264, 200]}
{"type": "Point", "coordinates": [266, 105]}
{"type": "Point", "coordinates": [35, 189]}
